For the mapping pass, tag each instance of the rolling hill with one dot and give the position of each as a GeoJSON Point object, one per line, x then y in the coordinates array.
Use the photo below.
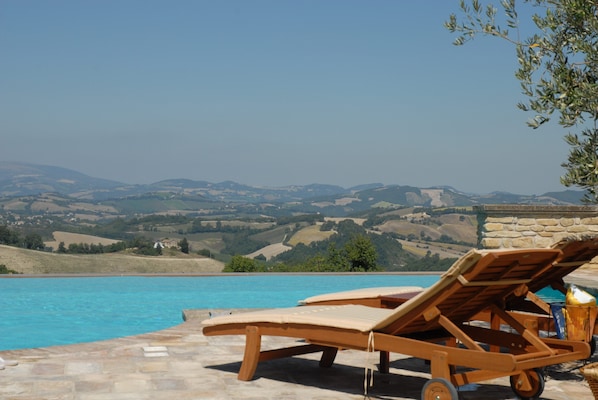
{"type": "Point", "coordinates": [216, 217]}
{"type": "Point", "coordinates": [19, 180]}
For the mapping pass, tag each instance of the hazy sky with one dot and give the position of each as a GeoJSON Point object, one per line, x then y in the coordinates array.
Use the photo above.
{"type": "Point", "coordinates": [267, 93]}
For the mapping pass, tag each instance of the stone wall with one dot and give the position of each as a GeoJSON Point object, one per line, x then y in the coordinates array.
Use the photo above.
{"type": "Point", "coordinates": [525, 226]}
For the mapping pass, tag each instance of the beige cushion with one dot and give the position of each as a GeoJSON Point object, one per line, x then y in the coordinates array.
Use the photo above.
{"type": "Point", "coordinates": [356, 317]}
{"type": "Point", "coordinates": [364, 293]}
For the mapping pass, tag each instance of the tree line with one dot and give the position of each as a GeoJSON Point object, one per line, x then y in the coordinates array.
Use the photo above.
{"type": "Point", "coordinates": [358, 255]}
{"type": "Point", "coordinates": [140, 245]}
{"type": "Point", "coordinates": [10, 237]}
{"type": "Point", "coordinates": [33, 241]}
{"type": "Point", "coordinates": [350, 249]}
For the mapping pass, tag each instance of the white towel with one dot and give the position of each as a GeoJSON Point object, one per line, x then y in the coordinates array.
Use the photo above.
{"type": "Point", "coordinates": [7, 363]}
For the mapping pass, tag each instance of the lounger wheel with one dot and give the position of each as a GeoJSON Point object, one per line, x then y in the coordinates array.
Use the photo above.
{"type": "Point", "coordinates": [529, 384]}
{"type": "Point", "coordinates": [439, 389]}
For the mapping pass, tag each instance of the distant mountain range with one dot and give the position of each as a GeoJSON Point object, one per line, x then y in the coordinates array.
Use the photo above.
{"type": "Point", "coordinates": [22, 179]}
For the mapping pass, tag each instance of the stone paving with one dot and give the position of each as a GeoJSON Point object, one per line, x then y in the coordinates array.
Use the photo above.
{"type": "Point", "coordinates": [180, 363]}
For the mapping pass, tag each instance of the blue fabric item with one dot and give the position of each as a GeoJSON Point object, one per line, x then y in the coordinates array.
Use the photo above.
{"type": "Point", "coordinates": [559, 319]}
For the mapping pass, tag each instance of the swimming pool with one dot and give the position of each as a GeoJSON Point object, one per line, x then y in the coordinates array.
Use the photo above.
{"type": "Point", "coordinates": [40, 312]}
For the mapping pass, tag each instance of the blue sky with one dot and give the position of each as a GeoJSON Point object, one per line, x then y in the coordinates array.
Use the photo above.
{"type": "Point", "coordinates": [267, 93]}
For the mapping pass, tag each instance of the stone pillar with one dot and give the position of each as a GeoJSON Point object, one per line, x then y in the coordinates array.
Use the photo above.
{"type": "Point", "coordinates": [525, 226]}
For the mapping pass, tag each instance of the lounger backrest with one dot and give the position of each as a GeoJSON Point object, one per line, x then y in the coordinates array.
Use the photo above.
{"type": "Point", "coordinates": [575, 254]}
{"type": "Point", "coordinates": [475, 282]}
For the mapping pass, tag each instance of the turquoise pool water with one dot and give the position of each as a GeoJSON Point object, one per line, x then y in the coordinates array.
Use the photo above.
{"type": "Point", "coordinates": [40, 312]}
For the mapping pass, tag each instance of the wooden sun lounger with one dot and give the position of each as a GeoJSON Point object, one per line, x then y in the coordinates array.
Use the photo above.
{"type": "Point", "coordinates": [535, 312]}
{"type": "Point", "coordinates": [434, 325]}
{"type": "Point", "coordinates": [575, 254]}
